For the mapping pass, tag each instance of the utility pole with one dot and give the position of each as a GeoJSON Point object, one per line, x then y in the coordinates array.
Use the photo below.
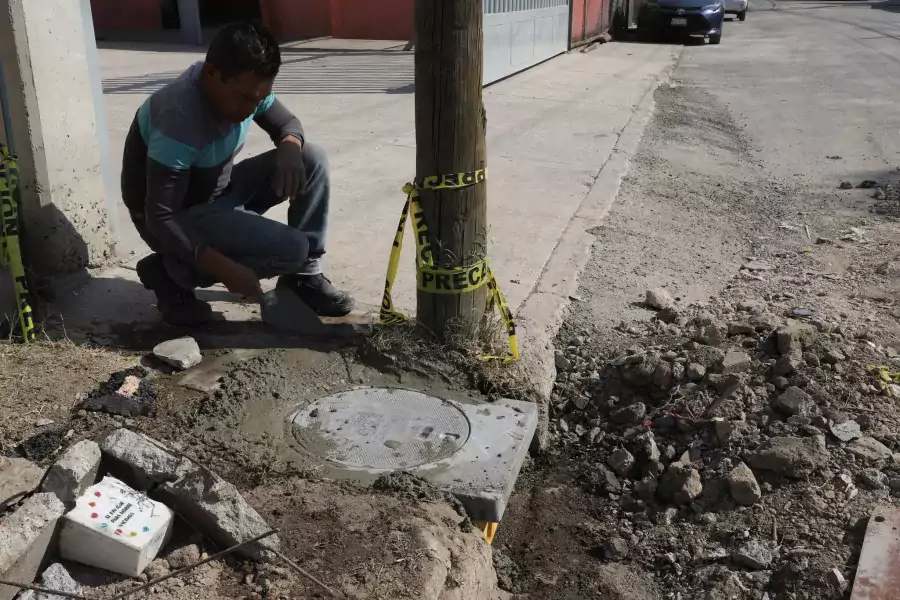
{"type": "Point", "coordinates": [450, 131]}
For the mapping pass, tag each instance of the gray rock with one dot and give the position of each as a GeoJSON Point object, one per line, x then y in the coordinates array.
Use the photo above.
{"type": "Point", "coordinates": [212, 506]}
{"type": "Point", "coordinates": [846, 185]}
{"type": "Point", "coordinates": [74, 472]}
{"type": "Point", "coordinates": [615, 549]}
{"type": "Point", "coordinates": [794, 401]}
{"type": "Point", "coordinates": [735, 362]}
{"type": "Point", "coordinates": [833, 357]}
{"type": "Point", "coordinates": [681, 484]}
{"type": "Point", "coordinates": [25, 540]}
{"type": "Point", "coordinates": [658, 298]}
{"type": "Point", "coordinates": [781, 383]}
{"type": "Point", "coordinates": [726, 385]}
{"type": "Point", "coordinates": [873, 479]}
{"type": "Point", "coordinates": [182, 353]}
{"type": "Point", "coordinates": [630, 414]}
{"type": "Point", "coordinates": [753, 555]}
{"type": "Point", "coordinates": [869, 449]}
{"type": "Point", "coordinates": [696, 371]}
{"type": "Point", "coordinates": [607, 481]}
{"type": "Point", "coordinates": [713, 335]}
{"type": "Point", "coordinates": [791, 456]}
{"type": "Point", "coordinates": [621, 461]}
{"type": "Point", "coordinates": [563, 364]}
{"type": "Point", "coordinates": [794, 336]}
{"type": "Point", "coordinates": [743, 485]}
{"type": "Point", "coordinates": [18, 477]}
{"type": "Point", "coordinates": [645, 489]}
{"type": "Point", "coordinates": [184, 556]}
{"type": "Point", "coordinates": [741, 329]}
{"type": "Point", "coordinates": [811, 359]}
{"type": "Point", "coordinates": [847, 431]}
{"type": "Point", "coordinates": [786, 365]}
{"type": "Point", "coordinates": [158, 568]}
{"type": "Point", "coordinates": [646, 448]}
{"type": "Point", "coordinates": [662, 375]}
{"type": "Point", "coordinates": [56, 577]}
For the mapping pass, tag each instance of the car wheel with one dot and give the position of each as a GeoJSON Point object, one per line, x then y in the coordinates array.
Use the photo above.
{"type": "Point", "coordinates": [715, 39]}
{"type": "Point", "coordinates": [742, 16]}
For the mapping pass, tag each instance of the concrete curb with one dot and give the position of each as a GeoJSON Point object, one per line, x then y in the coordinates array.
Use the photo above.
{"type": "Point", "coordinates": [541, 314]}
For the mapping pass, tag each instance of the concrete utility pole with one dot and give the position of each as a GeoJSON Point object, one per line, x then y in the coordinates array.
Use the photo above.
{"type": "Point", "coordinates": [450, 130]}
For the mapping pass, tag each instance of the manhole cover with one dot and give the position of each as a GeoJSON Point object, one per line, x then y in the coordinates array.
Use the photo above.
{"type": "Point", "coordinates": [381, 428]}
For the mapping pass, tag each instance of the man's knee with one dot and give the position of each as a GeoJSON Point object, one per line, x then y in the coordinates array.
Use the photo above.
{"type": "Point", "coordinates": [291, 252]}
{"type": "Point", "coordinates": [315, 159]}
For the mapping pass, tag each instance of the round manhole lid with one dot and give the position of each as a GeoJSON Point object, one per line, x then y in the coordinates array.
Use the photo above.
{"type": "Point", "coordinates": [381, 428]}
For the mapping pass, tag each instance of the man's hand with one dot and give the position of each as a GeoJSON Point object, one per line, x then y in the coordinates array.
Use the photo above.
{"type": "Point", "coordinates": [290, 173]}
{"type": "Point", "coordinates": [235, 276]}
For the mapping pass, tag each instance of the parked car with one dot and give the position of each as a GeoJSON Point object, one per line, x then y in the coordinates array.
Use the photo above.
{"type": "Point", "coordinates": [684, 18]}
{"type": "Point", "coordinates": [736, 7]}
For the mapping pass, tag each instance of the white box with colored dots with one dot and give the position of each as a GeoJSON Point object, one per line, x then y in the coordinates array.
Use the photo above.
{"type": "Point", "coordinates": [116, 528]}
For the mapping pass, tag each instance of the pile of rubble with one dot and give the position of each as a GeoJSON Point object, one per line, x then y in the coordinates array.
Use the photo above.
{"type": "Point", "coordinates": [766, 436]}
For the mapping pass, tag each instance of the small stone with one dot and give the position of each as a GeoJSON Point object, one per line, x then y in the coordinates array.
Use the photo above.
{"type": "Point", "coordinates": [741, 329]}
{"type": "Point", "coordinates": [832, 357]}
{"type": "Point", "coordinates": [184, 556]}
{"type": "Point", "coordinates": [630, 414]}
{"type": "Point", "coordinates": [786, 365]}
{"type": "Point", "coordinates": [182, 353]}
{"type": "Point", "coordinates": [869, 449]}
{"type": "Point", "coordinates": [811, 359]}
{"type": "Point", "coordinates": [646, 448]}
{"type": "Point", "coordinates": [607, 481]}
{"type": "Point", "coordinates": [753, 555]}
{"type": "Point", "coordinates": [781, 383]}
{"type": "Point", "coordinates": [847, 431]}
{"type": "Point", "coordinates": [563, 364]}
{"type": "Point", "coordinates": [873, 479]}
{"type": "Point", "coordinates": [158, 568]}
{"type": "Point", "coordinates": [615, 549]}
{"type": "Point", "coordinates": [696, 371]}
{"type": "Point", "coordinates": [735, 362]}
{"type": "Point", "coordinates": [794, 401]}
{"type": "Point", "coordinates": [791, 456]}
{"type": "Point", "coordinates": [794, 336]}
{"type": "Point", "coordinates": [846, 185]}
{"type": "Point", "coordinates": [757, 265]}
{"type": "Point", "coordinates": [662, 375]}
{"type": "Point", "coordinates": [713, 335]}
{"type": "Point", "coordinates": [56, 577]}
{"type": "Point", "coordinates": [668, 315]}
{"type": "Point", "coordinates": [681, 484]}
{"type": "Point", "coordinates": [744, 487]}
{"type": "Point", "coordinates": [621, 461]}
{"type": "Point", "coordinates": [658, 298]}
{"type": "Point", "coordinates": [645, 489]}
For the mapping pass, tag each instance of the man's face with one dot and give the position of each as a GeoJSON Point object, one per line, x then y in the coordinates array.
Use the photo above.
{"type": "Point", "coordinates": [236, 98]}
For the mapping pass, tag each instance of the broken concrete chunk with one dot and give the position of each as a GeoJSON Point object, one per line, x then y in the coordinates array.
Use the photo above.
{"type": "Point", "coordinates": [794, 401]}
{"type": "Point", "coordinates": [18, 476]}
{"type": "Point", "coordinates": [55, 577]}
{"type": "Point", "coordinates": [217, 510]}
{"type": "Point", "coordinates": [116, 528]}
{"type": "Point", "coordinates": [873, 479]}
{"type": "Point", "coordinates": [630, 414]}
{"type": "Point", "coordinates": [753, 555]}
{"type": "Point", "coordinates": [25, 540]}
{"type": "Point", "coordinates": [696, 371]}
{"type": "Point", "coordinates": [794, 336]}
{"type": "Point", "coordinates": [713, 335]}
{"type": "Point", "coordinates": [182, 353]}
{"type": "Point", "coordinates": [847, 431]}
{"type": "Point", "coordinates": [869, 449]}
{"type": "Point", "coordinates": [786, 365]}
{"type": "Point", "coordinates": [74, 472]}
{"type": "Point", "coordinates": [735, 362]}
{"type": "Point", "coordinates": [658, 298]}
{"type": "Point", "coordinates": [794, 457]}
{"type": "Point", "coordinates": [615, 549]}
{"type": "Point", "coordinates": [681, 484]}
{"type": "Point", "coordinates": [744, 487]}
{"type": "Point", "coordinates": [621, 461]}
{"type": "Point", "coordinates": [145, 461]}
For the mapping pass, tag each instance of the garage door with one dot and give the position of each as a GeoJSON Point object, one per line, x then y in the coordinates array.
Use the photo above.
{"type": "Point", "coordinates": [522, 33]}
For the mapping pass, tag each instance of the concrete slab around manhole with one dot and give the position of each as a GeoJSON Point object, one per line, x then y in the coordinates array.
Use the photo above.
{"type": "Point", "coordinates": [878, 573]}
{"type": "Point", "coordinates": [474, 451]}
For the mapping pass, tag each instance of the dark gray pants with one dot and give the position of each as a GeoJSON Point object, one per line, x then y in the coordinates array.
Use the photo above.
{"type": "Point", "coordinates": [233, 223]}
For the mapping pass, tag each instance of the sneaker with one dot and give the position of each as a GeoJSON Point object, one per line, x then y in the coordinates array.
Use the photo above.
{"type": "Point", "coordinates": [177, 305]}
{"type": "Point", "coordinates": [317, 292]}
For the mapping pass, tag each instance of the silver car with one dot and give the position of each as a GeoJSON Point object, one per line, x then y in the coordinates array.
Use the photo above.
{"type": "Point", "coordinates": [736, 7]}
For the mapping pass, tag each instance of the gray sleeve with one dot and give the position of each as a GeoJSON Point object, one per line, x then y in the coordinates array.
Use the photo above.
{"type": "Point", "coordinates": [166, 189]}
{"type": "Point", "coordinates": [278, 121]}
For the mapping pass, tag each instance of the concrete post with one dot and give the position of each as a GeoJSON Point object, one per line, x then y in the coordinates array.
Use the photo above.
{"type": "Point", "coordinates": [191, 28]}
{"type": "Point", "coordinates": [52, 86]}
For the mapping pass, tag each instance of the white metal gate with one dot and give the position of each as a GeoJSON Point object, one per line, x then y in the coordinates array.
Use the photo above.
{"type": "Point", "coordinates": [522, 33]}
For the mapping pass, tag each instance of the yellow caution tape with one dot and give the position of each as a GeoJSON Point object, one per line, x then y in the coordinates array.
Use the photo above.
{"type": "Point", "coordinates": [434, 280]}
{"type": "Point", "coordinates": [10, 250]}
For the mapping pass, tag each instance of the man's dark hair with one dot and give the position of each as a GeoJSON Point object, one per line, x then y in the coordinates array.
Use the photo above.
{"type": "Point", "coordinates": [242, 47]}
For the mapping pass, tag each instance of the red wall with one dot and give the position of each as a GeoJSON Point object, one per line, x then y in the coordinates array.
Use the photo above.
{"type": "Point", "coordinates": [297, 18]}
{"type": "Point", "coordinates": [354, 19]}
{"type": "Point", "coordinates": [589, 18]}
{"type": "Point", "coordinates": [372, 19]}
{"type": "Point", "coordinates": [125, 15]}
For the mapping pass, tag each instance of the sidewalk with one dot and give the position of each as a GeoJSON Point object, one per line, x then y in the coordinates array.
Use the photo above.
{"type": "Point", "coordinates": [550, 131]}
